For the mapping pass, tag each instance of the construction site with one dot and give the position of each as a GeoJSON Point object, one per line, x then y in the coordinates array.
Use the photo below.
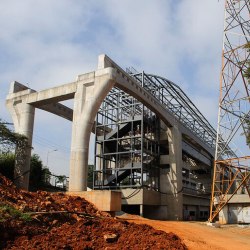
{"type": "Point", "coordinates": [157, 160]}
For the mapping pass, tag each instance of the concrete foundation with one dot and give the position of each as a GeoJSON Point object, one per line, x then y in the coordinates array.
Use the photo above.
{"type": "Point", "coordinates": [237, 210]}
{"type": "Point", "coordinates": [108, 201]}
{"type": "Point", "coordinates": [149, 203]}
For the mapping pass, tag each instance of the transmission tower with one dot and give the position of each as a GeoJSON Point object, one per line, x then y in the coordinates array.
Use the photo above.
{"type": "Point", "coordinates": [232, 167]}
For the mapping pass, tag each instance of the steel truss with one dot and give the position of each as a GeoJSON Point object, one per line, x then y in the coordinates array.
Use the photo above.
{"type": "Point", "coordinates": [127, 151]}
{"type": "Point", "coordinates": [177, 102]}
{"type": "Point", "coordinates": [232, 174]}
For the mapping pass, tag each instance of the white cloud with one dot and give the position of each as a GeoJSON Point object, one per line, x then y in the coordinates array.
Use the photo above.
{"type": "Point", "coordinates": [47, 43]}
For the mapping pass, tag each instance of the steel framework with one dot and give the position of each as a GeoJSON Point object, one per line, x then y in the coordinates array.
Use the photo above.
{"type": "Point", "coordinates": [232, 174]}
{"type": "Point", "coordinates": [127, 151]}
{"type": "Point", "coordinates": [177, 102]}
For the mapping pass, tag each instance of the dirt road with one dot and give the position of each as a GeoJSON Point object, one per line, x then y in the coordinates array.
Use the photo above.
{"type": "Point", "coordinates": [197, 235]}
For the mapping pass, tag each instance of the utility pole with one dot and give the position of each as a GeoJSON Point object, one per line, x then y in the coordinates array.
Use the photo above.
{"type": "Point", "coordinates": [50, 151]}
{"type": "Point", "coordinates": [232, 167]}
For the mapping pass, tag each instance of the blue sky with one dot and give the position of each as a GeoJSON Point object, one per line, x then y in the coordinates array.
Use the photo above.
{"type": "Point", "coordinates": [47, 43]}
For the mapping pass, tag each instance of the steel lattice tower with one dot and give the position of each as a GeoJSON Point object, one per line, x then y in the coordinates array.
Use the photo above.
{"type": "Point", "coordinates": [231, 167]}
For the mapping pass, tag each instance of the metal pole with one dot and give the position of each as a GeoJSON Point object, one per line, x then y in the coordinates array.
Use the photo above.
{"type": "Point", "coordinates": [49, 151]}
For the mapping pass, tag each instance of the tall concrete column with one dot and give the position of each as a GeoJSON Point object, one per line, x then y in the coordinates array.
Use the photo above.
{"type": "Point", "coordinates": [174, 177]}
{"type": "Point", "coordinates": [23, 117]}
{"type": "Point", "coordinates": [88, 98]}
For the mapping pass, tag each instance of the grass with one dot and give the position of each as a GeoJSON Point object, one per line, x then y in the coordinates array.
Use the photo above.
{"type": "Point", "coordinates": [7, 211]}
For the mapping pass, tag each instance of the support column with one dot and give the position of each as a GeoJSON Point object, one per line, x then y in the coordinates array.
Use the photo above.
{"type": "Point", "coordinates": [223, 215]}
{"type": "Point", "coordinates": [88, 98]}
{"type": "Point", "coordinates": [23, 117]}
{"type": "Point", "coordinates": [141, 210]}
{"type": "Point", "coordinates": [174, 177]}
{"type": "Point", "coordinates": [81, 129]}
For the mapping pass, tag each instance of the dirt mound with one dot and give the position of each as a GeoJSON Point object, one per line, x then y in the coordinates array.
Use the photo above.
{"type": "Point", "coordinates": [44, 220]}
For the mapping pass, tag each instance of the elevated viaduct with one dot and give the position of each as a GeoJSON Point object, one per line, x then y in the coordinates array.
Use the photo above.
{"type": "Point", "coordinates": [160, 155]}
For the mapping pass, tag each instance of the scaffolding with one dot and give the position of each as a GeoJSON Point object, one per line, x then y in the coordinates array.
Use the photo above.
{"type": "Point", "coordinates": [232, 171]}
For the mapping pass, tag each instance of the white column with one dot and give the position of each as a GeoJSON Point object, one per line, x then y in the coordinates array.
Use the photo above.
{"type": "Point", "coordinates": [23, 117]}
{"type": "Point", "coordinates": [88, 98]}
{"type": "Point", "coordinates": [174, 177]}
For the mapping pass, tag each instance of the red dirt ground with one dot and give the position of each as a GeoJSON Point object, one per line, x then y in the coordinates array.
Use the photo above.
{"type": "Point", "coordinates": [65, 222]}
{"type": "Point", "coordinates": [199, 236]}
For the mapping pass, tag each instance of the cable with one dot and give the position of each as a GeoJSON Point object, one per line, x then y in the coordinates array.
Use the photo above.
{"type": "Point", "coordinates": [19, 176]}
{"type": "Point", "coordinates": [47, 142]}
{"type": "Point", "coordinates": [181, 190]}
{"type": "Point", "coordinates": [137, 190]}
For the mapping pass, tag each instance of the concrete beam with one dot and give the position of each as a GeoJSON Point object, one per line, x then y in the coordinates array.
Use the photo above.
{"type": "Point", "coordinates": [52, 95]}
{"type": "Point", "coordinates": [193, 137]}
{"type": "Point", "coordinates": [196, 154]}
{"type": "Point", "coordinates": [59, 109]}
{"type": "Point", "coordinates": [236, 199]}
{"type": "Point", "coordinates": [66, 113]}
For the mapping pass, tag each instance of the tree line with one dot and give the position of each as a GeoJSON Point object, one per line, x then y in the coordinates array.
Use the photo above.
{"type": "Point", "coordinates": [40, 175]}
{"type": "Point", "coordinates": [9, 143]}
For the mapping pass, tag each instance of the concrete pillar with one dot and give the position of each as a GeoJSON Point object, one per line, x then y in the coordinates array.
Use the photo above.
{"type": "Point", "coordinates": [88, 98]}
{"type": "Point", "coordinates": [171, 181]}
{"type": "Point", "coordinates": [23, 117]}
{"type": "Point", "coordinates": [141, 210]}
{"type": "Point", "coordinates": [223, 215]}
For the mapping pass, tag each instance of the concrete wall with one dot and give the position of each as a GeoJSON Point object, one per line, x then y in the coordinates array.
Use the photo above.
{"type": "Point", "coordinates": [104, 200]}
{"type": "Point", "coordinates": [155, 212]}
{"type": "Point", "coordinates": [140, 197]}
{"type": "Point", "coordinates": [235, 213]}
{"type": "Point", "coordinates": [194, 200]}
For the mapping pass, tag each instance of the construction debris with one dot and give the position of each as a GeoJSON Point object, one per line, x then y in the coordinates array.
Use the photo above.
{"type": "Point", "coordinates": [45, 220]}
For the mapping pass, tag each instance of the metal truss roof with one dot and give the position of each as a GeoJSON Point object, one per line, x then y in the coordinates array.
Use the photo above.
{"type": "Point", "coordinates": [177, 102]}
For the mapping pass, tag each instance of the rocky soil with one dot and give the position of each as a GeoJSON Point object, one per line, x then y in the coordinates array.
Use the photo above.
{"type": "Point", "coordinates": [45, 220]}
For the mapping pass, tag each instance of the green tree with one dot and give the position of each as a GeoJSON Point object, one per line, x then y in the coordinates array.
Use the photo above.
{"type": "Point", "coordinates": [10, 140]}
{"type": "Point", "coordinates": [46, 176]}
{"type": "Point", "coordinates": [12, 145]}
{"type": "Point", "coordinates": [7, 164]}
{"type": "Point", "coordinates": [37, 173]}
{"type": "Point", "coordinates": [7, 139]}
{"type": "Point", "coordinates": [90, 175]}
{"type": "Point", "coordinates": [39, 176]}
